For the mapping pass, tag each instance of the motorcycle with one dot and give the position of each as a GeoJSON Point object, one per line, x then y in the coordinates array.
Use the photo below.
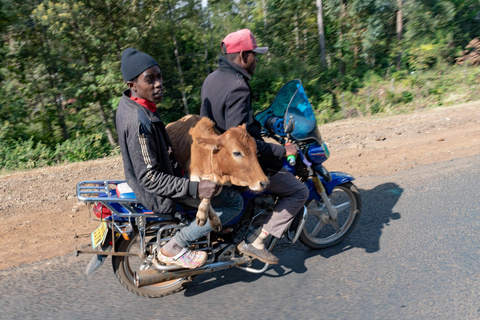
{"type": "Point", "coordinates": [132, 234]}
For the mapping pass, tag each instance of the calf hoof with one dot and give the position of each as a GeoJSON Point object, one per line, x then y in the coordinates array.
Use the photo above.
{"type": "Point", "coordinates": [201, 222]}
{"type": "Point", "coordinates": [201, 218]}
{"type": "Point", "coordinates": [202, 213]}
{"type": "Point", "coordinates": [216, 224]}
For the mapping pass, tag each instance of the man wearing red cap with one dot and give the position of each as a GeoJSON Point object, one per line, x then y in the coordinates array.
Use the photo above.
{"type": "Point", "coordinates": [227, 100]}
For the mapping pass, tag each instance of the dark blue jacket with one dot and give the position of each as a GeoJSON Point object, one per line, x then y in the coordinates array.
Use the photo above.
{"type": "Point", "coordinates": [227, 100]}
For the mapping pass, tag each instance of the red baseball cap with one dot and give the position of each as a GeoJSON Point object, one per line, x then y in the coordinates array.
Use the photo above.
{"type": "Point", "coordinates": [241, 40]}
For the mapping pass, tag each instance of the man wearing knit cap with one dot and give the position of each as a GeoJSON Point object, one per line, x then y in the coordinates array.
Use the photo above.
{"type": "Point", "coordinates": [151, 169]}
{"type": "Point", "coordinates": [227, 100]}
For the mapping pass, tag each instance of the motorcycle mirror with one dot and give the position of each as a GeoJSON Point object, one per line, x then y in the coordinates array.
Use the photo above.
{"type": "Point", "coordinates": [290, 125]}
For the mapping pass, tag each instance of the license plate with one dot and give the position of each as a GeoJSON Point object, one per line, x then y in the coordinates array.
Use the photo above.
{"type": "Point", "coordinates": [98, 236]}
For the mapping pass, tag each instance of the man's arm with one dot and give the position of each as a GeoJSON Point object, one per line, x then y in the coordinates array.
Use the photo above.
{"type": "Point", "coordinates": [147, 164]}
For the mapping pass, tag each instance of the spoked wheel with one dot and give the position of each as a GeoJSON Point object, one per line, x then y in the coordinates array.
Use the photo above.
{"type": "Point", "coordinates": [320, 231]}
{"type": "Point", "coordinates": [125, 267]}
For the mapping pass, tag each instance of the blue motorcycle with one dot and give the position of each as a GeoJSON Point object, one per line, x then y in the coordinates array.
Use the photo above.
{"type": "Point", "coordinates": [132, 235]}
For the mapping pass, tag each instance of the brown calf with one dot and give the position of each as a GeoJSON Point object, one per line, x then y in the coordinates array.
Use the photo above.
{"type": "Point", "coordinates": [228, 158]}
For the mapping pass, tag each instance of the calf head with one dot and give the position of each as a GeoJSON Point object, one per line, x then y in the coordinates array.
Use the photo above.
{"type": "Point", "coordinates": [233, 158]}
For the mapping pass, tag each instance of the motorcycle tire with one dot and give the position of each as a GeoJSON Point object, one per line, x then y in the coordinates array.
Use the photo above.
{"type": "Point", "coordinates": [318, 232]}
{"type": "Point", "coordinates": [125, 266]}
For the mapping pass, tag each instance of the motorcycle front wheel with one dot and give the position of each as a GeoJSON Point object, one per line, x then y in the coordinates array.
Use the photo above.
{"type": "Point", "coordinates": [319, 230]}
{"type": "Point", "coordinates": [125, 266]}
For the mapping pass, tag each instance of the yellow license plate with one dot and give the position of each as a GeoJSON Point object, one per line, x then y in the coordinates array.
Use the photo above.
{"type": "Point", "coordinates": [98, 236]}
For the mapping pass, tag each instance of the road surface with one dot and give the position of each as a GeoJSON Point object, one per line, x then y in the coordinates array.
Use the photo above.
{"type": "Point", "coordinates": [414, 255]}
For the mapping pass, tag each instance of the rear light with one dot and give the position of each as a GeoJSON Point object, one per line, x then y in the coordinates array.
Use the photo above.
{"type": "Point", "coordinates": [101, 211]}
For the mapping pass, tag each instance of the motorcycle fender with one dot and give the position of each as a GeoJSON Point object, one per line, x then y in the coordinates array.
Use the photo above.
{"type": "Point", "coordinates": [95, 263]}
{"type": "Point", "coordinates": [337, 178]}
{"type": "Point", "coordinates": [98, 259]}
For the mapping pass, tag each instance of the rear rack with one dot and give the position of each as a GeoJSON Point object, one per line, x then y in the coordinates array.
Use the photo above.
{"type": "Point", "coordinates": [101, 191]}
{"type": "Point", "coordinates": [123, 209]}
{"type": "Point", "coordinates": [86, 190]}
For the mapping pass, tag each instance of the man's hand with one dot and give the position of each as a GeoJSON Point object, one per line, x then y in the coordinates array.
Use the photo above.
{"type": "Point", "coordinates": [207, 189]}
{"type": "Point", "coordinates": [290, 150]}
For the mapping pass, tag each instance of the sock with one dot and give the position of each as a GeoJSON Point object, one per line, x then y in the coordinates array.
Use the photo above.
{"type": "Point", "coordinates": [171, 249]}
{"type": "Point", "coordinates": [258, 238]}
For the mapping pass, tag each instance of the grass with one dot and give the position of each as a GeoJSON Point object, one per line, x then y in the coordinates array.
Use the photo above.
{"type": "Point", "coordinates": [444, 86]}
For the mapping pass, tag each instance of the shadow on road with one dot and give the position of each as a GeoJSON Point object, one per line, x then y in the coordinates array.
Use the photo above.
{"type": "Point", "coordinates": [377, 213]}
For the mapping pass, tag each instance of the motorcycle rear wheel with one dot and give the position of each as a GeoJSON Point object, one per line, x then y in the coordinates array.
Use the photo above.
{"type": "Point", "coordinates": [125, 267]}
{"type": "Point", "coordinates": [318, 232]}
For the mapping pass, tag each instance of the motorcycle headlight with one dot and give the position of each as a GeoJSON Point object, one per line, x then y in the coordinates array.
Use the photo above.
{"type": "Point", "coordinates": [318, 154]}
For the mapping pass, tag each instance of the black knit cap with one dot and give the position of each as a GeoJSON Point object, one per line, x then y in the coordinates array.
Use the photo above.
{"type": "Point", "coordinates": [134, 63]}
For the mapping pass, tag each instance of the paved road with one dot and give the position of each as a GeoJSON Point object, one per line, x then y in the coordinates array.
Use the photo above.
{"type": "Point", "coordinates": [414, 255]}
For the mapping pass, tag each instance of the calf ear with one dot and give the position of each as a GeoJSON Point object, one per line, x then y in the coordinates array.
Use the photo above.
{"type": "Point", "coordinates": [209, 143]}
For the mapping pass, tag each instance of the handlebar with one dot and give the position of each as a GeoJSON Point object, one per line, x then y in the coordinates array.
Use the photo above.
{"type": "Point", "coordinates": [291, 160]}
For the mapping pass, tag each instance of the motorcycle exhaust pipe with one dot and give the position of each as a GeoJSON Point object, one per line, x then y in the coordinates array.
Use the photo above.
{"type": "Point", "coordinates": [152, 276]}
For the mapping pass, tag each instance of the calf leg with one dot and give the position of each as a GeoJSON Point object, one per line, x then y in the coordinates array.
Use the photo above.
{"type": "Point", "coordinates": [202, 213]}
{"type": "Point", "coordinates": [215, 222]}
{"type": "Point", "coordinates": [205, 211]}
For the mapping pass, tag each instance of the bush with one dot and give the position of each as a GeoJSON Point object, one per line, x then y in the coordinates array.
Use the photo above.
{"type": "Point", "coordinates": [423, 57]}
{"type": "Point", "coordinates": [371, 78]}
{"type": "Point", "coordinates": [83, 148]}
{"type": "Point", "coordinates": [376, 107]}
{"type": "Point", "coordinates": [399, 98]}
{"type": "Point", "coordinates": [22, 155]}
{"type": "Point", "coordinates": [407, 97]}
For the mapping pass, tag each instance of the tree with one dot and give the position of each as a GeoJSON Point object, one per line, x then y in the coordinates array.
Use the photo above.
{"type": "Point", "coordinates": [399, 32]}
{"type": "Point", "coordinates": [60, 60]}
{"type": "Point", "coordinates": [321, 33]}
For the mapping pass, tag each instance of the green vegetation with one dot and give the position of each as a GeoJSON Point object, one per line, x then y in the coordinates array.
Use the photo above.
{"type": "Point", "coordinates": [21, 155]}
{"type": "Point", "coordinates": [440, 86]}
{"type": "Point", "coordinates": [60, 62]}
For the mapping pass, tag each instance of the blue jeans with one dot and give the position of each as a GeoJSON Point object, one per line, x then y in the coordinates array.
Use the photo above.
{"type": "Point", "coordinates": [228, 204]}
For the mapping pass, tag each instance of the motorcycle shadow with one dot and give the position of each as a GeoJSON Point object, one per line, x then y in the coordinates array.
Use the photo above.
{"type": "Point", "coordinates": [377, 213]}
{"type": "Point", "coordinates": [291, 261]}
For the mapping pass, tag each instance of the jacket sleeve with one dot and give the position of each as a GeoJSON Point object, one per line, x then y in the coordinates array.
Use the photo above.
{"type": "Point", "coordinates": [149, 158]}
{"type": "Point", "coordinates": [238, 110]}
{"type": "Point", "coordinates": [270, 149]}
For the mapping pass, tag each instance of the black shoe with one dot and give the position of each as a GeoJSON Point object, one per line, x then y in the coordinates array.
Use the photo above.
{"type": "Point", "coordinates": [261, 254]}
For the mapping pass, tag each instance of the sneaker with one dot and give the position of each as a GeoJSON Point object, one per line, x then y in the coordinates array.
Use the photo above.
{"type": "Point", "coordinates": [185, 259]}
{"type": "Point", "coordinates": [261, 254]}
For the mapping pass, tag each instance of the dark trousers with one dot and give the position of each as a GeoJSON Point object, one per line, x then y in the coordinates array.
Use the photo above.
{"type": "Point", "coordinates": [292, 195]}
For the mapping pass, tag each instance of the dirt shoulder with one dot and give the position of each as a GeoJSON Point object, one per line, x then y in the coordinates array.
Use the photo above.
{"type": "Point", "coordinates": [41, 214]}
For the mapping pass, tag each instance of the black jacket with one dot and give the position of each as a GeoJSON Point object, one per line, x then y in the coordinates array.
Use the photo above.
{"type": "Point", "coordinates": [227, 100]}
{"type": "Point", "coordinates": [151, 169]}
